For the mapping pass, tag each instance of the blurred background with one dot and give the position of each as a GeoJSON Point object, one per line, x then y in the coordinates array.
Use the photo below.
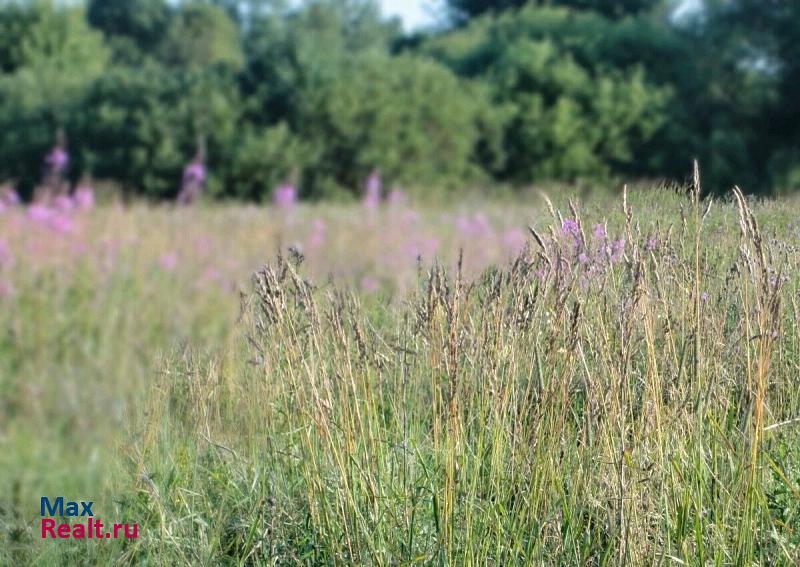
{"type": "Point", "coordinates": [442, 95]}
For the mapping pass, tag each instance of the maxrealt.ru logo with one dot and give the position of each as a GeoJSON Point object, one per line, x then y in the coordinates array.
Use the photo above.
{"type": "Point", "coordinates": [86, 527]}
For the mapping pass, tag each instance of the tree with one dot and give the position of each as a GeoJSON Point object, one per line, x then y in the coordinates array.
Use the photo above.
{"type": "Point", "coordinates": [327, 74]}
{"type": "Point", "coordinates": [410, 117]}
{"type": "Point", "coordinates": [765, 37]}
{"type": "Point", "coordinates": [201, 35]}
{"type": "Point", "coordinates": [568, 114]}
{"type": "Point", "coordinates": [132, 27]}
{"type": "Point", "coordinates": [139, 127]}
{"type": "Point", "coordinates": [50, 57]}
{"type": "Point", "coordinates": [463, 10]}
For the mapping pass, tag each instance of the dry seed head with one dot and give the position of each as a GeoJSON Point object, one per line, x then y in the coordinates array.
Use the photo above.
{"type": "Point", "coordinates": [708, 209]}
{"type": "Point", "coordinates": [539, 240]}
{"type": "Point", "coordinates": [549, 205]}
{"type": "Point", "coordinates": [741, 205]}
{"type": "Point", "coordinates": [625, 208]}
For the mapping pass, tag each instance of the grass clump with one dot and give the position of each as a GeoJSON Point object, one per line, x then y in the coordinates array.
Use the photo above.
{"type": "Point", "coordinates": [623, 392]}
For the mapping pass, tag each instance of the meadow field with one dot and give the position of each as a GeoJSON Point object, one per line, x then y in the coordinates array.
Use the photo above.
{"type": "Point", "coordinates": [606, 381]}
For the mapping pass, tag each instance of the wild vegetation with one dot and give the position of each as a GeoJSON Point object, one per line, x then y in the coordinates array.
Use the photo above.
{"type": "Point", "coordinates": [618, 388]}
{"type": "Point", "coordinates": [500, 92]}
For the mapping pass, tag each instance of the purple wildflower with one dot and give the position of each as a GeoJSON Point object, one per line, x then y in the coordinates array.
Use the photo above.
{"type": "Point", "coordinates": [57, 160]}
{"type": "Point", "coordinates": [195, 172]}
{"type": "Point", "coordinates": [84, 197]}
{"type": "Point", "coordinates": [9, 197]}
{"type": "Point", "coordinates": [285, 196]}
{"type": "Point", "coordinates": [318, 236]}
{"type": "Point", "coordinates": [650, 245]}
{"type": "Point", "coordinates": [61, 223]}
{"type": "Point", "coordinates": [372, 193]}
{"type": "Point", "coordinates": [168, 262]}
{"type": "Point", "coordinates": [514, 240]}
{"type": "Point", "coordinates": [40, 213]}
{"type": "Point", "coordinates": [599, 231]}
{"type": "Point", "coordinates": [63, 203]}
{"type": "Point", "coordinates": [582, 258]}
{"type": "Point", "coordinates": [617, 250]}
{"type": "Point", "coordinates": [474, 226]}
{"type": "Point", "coordinates": [704, 297]}
{"type": "Point", "coordinates": [570, 227]}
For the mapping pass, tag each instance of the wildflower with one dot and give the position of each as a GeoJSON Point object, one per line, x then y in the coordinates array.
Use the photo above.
{"type": "Point", "coordinates": [79, 248]}
{"type": "Point", "coordinates": [285, 196]}
{"type": "Point", "coordinates": [704, 297]}
{"type": "Point", "coordinates": [317, 237]}
{"type": "Point", "coordinates": [617, 250]}
{"type": "Point", "coordinates": [410, 217]}
{"type": "Point", "coordinates": [58, 159]}
{"type": "Point", "coordinates": [195, 171]}
{"type": "Point", "coordinates": [514, 240]}
{"type": "Point", "coordinates": [168, 262]}
{"type": "Point", "coordinates": [582, 258]}
{"type": "Point", "coordinates": [599, 231]}
{"type": "Point", "coordinates": [83, 197]}
{"type": "Point", "coordinates": [475, 226]}
{"type": "Point", "coordinates": [40, 213]}
{"type": "Point", "coordinates": [194, 176]}
{"type": "Point", "coordinates": [61, 223]}
{"type": "Point", "coordinates": [9, 197]}
{"type": "Point", "coordinates": [650, 245]}
{"type": "Point", "coordinates": [372, 187]}
{"type": "Point", "coordinates": [63, 203]}
{"type": "Point", "coordinates": [570, 228]}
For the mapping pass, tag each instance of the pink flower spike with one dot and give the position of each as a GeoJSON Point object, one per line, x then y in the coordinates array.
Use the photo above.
{"type": "Point", "coordinates": [40, 213]}
{"type": "Point", "coordinates": [84, 197]}
{"type": "Point", "coordinates": [168, 262]}
{"type": "Point", "coordinates": [372, 195]}
{"type": "Point", "coordinates": [285, 196]}
{"type": "Point", "coordinates": [63, 203]}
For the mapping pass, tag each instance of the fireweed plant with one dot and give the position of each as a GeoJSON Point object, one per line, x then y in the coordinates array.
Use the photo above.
{"type": "Point", "coordinates": [622, 391]}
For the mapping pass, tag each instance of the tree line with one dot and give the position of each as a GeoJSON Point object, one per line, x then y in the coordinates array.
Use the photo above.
{"type": "Point", "coordinates": [500, 91]}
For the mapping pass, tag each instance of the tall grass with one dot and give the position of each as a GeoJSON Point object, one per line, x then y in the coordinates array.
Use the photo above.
{"type": "Point", "coordinates": [631, 418]}
{"type": "Point", "coordinates": [624, 392]}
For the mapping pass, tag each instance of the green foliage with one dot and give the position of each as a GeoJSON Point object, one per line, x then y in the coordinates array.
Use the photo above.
{"type": "Point", "coordinates": [544, 90]}
{"type": "Point", "coordinates": [50, 57]}
{"type": "Point", "coordinates": [142, 21]}
{"type": "Point", "coordinates": [465, 9]}
{"type": "Point", "coordinates": [202, 35]}
{"type": "Point", "coordinates": [140, 126]}
{"type": "Point", "coordinates": [569, 116]}
{"type": "Point", "coordinates": [410, 117]}
{"type": "Point", "coordinates": [327, 75]}
{"type": "Point", "coordinates": [263, 158]}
